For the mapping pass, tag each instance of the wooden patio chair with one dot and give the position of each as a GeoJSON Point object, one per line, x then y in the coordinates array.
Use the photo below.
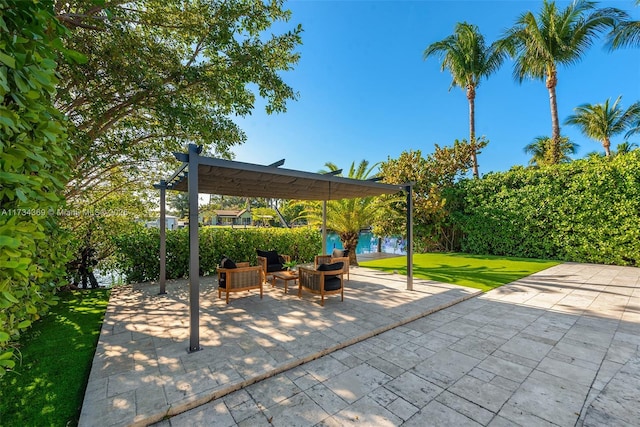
{"type": "Point", "coordinates": [336, 256]}
{"type": "Point", "coordinates": [326, 280]}
{"type": "Point", "coordinates": [271, 261]}
{"type": "Point", "coordinates": [242, 278]}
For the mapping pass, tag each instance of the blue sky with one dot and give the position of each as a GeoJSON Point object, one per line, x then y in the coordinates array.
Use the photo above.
{"type": "Point", "coordinates": [366, 92]}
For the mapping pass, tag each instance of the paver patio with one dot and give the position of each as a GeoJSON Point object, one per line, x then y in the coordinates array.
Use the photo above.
{"type": "Point", "coordinates": [560, 347]}
{"type": "Point", "coordinates": [142, 371]}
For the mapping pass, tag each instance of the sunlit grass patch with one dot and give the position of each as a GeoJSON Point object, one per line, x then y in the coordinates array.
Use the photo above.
{"type": "Point", "coordinates": [484, 272]}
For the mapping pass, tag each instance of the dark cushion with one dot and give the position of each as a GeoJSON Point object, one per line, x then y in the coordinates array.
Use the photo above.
{"type": "Point", "coordinates": [227, 263]}
{"type": "Point", "coordinates": [331, 267]}
{"type": "Point", "coordinates": [274, 267]}
{"type": "Point", "coordinates": [331, 283]}
{"type": "Point", "coordinates": [271, 256]}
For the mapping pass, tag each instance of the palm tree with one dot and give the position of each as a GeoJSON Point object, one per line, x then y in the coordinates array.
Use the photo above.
{"type": "Point", "coordinates": [601, 121]}
{"type": "Point", "coordinates": [540, 150]}
{"type": "Point", "coordinates": [469, 60]}
{"type": "Point", "coordinates": [347, 216]}
{"type": "Point", "coordinates": [625, 148]}
{"type": "Point", "coordinates": [555, 37]}
{"type": "Point", "coordinates": [626, 33]}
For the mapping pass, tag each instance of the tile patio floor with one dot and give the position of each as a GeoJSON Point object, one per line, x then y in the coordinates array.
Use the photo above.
{"type": "Point", "coordinates": [560, 347]}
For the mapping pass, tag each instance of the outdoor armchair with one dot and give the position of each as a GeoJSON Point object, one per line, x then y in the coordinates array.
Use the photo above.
{"type": "Point", "coordinates": [241, 278]}
{"type": "Point", "coordinates": [271, 261]}
{"type": "Point", "coordinates": [337, 256]}
{"type": "Point", "coordinates": [327, 279]}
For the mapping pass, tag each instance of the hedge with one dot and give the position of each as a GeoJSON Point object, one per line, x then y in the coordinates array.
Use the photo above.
{"type": "Point", "coordinates": [584, 211]}
{"type": "Point", "coordinates": [138, 255]}
{"type": "Point", "coordinates": [34, 167]}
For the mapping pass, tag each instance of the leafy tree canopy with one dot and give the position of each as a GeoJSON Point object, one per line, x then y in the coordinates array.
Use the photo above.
{"type": "Point", "coordinates": [431, 177]}
{"type": "Point", "coordinates": [163, 73]}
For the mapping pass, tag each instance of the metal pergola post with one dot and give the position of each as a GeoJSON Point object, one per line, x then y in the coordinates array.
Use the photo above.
{"type": "Point", "coordinates": [194, 251]}
{"type": "Point", "coordinates": [324, 227]}
{"type": "Point", "coordinates": [163, 236]}
{"type": "Point", "coordinates": [409, 237]}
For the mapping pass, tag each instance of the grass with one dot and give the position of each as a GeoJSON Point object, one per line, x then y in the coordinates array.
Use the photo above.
{"type": "Point", "coordinates": [482, 272]}
{"type": "Point", "coordinates": [47, 387]}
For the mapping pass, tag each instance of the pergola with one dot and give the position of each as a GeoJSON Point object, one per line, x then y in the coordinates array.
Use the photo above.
{"type": "Point", "coordinates": [200, 174]}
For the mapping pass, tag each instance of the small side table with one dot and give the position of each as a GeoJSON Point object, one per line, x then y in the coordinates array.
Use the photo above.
{"type": "Point", "coordinates": [285, 276]}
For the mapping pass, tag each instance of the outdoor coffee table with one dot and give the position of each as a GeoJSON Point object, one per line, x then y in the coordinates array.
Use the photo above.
{"type": "Point", "coordinates": [284, 276]}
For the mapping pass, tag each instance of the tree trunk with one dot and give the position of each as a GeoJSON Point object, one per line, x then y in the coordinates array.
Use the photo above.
{"type": "Point", "coordinates": [471, 96]}
{"type": "Point", "coordinates": [606, 143]}
{"type": "Point", "coordinates": [350, 242]}
{"type": "Point", "coordinates": [552, 81]}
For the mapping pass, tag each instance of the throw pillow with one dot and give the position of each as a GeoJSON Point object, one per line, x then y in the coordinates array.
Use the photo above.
{"type": "Point", "coordinates": [227, 263]}
{"type": "Point", "coordinates": [271, 256]}
{"type": "Point", "coordinates": [331, 267]}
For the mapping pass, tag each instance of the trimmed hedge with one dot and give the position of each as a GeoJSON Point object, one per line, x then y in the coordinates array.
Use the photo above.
{"type": "Point", "coordinates": [584, 211]}
{"type": "Point", "coordinates": [139, 250]}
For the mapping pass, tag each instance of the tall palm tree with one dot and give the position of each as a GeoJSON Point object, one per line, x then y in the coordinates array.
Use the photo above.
{"type": "Point", "coordinates": [540, 150]}
{"type": "Point", "coordinates": [469, 59]}
{"type": "Point", "coordinates": [625, 148]}
{"type": "Point", "coordinates": [347, 216]}
{"type": "Point", "coordinates": [601, 121]}
{"type": "Point", "coordinates": [626, 33]}
{"type": "Point", "coordinates": [556, 37]}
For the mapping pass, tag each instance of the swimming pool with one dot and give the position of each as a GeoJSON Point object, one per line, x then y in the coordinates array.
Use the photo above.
{"type": "Point", "coordinates": [368, 243]}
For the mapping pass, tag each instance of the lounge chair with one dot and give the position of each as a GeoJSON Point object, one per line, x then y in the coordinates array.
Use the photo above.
{"type": "Point", "coordinates": [271, 261]}
{"type": "Point", "coordinates": [327, 279]}
{"type": "Point", "coordinates": [237, 277]}
{"type": "Point", "coordinates": [336, 256]}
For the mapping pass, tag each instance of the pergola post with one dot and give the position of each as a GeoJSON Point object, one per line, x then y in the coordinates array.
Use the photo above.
{"type": "Point", "coordinates": [409, 237]}
{"type": "Point", "coordinates": [163, 237]}
{"type": "Point", "coordinates": [194, 251]}
{"type": "Point", "coordinates": [324, 227]}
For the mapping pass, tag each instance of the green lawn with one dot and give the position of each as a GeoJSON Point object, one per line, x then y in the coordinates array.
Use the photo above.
{"type": "Point", "coordinates": [483, 272]}
{"type": "Point", "coordinates": [47, 387]}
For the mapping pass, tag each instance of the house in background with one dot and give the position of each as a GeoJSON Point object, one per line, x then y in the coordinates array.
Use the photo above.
{"type": "Point", "coordinates": [231, 217]}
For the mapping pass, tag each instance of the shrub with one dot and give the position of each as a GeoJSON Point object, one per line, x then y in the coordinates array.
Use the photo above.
{"type": "Point", "coordinates": [584, 211]}
{"type": "Point", "coordinates": [139, 250]}
{"type": "Point", "coordinates": [34, 159]}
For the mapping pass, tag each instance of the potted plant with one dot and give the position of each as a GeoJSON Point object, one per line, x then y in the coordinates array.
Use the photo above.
{"type": "Point", "coordinates": [290, 265]}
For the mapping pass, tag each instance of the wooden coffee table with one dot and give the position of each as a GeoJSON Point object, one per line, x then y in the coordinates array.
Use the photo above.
{"type": "Point", "coordinates": [285, 276]}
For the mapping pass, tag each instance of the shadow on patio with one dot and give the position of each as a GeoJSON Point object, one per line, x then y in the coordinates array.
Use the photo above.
{"type": "Point", "coordinates": [142, 371]}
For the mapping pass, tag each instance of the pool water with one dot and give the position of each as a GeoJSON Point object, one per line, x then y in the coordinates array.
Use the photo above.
{"type": "Point", "coordinates": [368, 243]}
